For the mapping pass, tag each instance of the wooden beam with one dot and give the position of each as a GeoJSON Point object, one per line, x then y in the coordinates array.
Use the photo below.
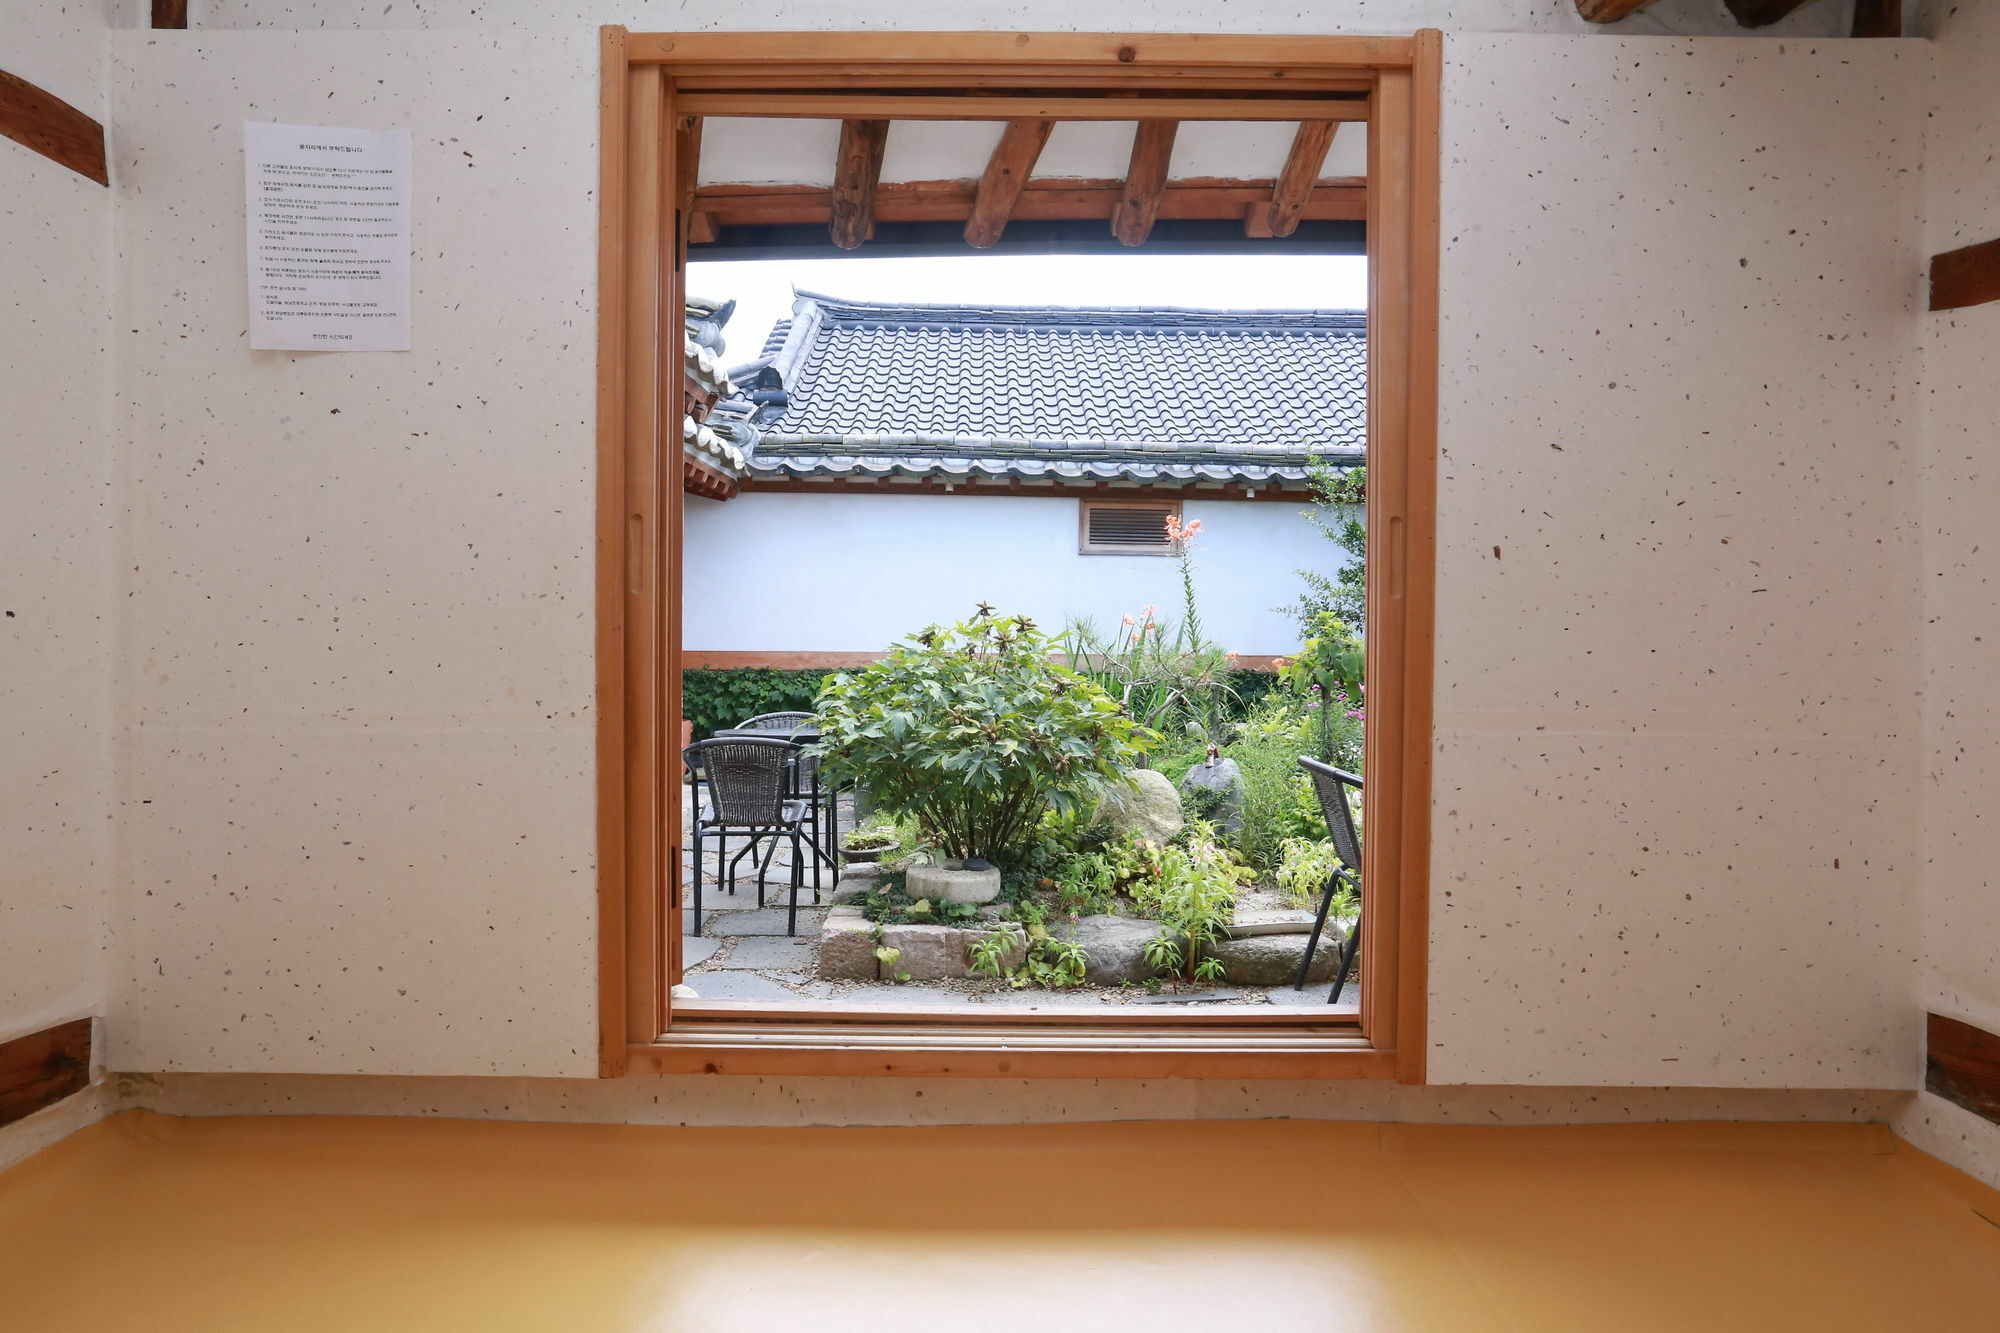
{"type": "Point", "coordinates": [42, 1068]}
{"type": "Point", "coordinates": [1007, 171]}
{"type": "Point", "coordinates": [1962, 1065]}
{"type": "Point", "coordinates": [52, 127]}
{"type": "Point", "coordinates": [1293, 189]}
{"type": "Point", "coordinates": [1967, 276]}
{"type": "Point", "coordinates": [857, 170]}
{"type": "Point", "coordinates": [1609, 11]}
{"type": "Point", "coordinates": [1143, 55]}
{"type": "Point", "coordinates": [687, 161]}
{"type": "Point", "coordinates": [170, 13]}
{"type": "Point", "coordinates": [1762, 13]}
{"type": "Point", "coordinates": [922, 106]}
{"type": "Point", "coordinates": [1201, 197]}
{"type": "Point", "coordinates": [1145, 186]}
{"type": "Point", "coordinates": [1877, 18]}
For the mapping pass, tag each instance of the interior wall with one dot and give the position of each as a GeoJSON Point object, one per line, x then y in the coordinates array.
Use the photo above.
{"type": "Point", "coordinates": [1960, 401]}
{"type": "Point", "coordinates": [356, 678]}
{"type": "Point", "coordinates": [55, 554]}
{"type": "Point", "coordinates": [1675, 825]}
{"type": "Point", "coordinates": [866, 569]}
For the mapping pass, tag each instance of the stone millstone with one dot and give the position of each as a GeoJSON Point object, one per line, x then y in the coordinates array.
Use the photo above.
{"type": "Point", "coordinates": [959, 886]}
{"type": "Point", "coordinates": [1146, 806]}
{"type": "Point", "coordinates": [1215, 794]}
{"type": "Point", "coordinates": [1114, 948]}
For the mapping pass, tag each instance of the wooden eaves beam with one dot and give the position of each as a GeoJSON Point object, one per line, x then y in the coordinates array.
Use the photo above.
{"type": "Point", "coordinates": [1762, 13]}
{"type": "Point", "coordinates": [1145, 181]}
{"type": "Point", "coordinates": [687, 177]}
{"type": "Point", "coordinates": [857, 169]}
{"type": "Point", "coordinates": [1294, 186]}
{"type": "Point", "coordinates": [42, 121]}
{"type": "Point", "coordinates": [1007, 172]}
{"type": "Point", "coordinates": [1966, 276]}
{"type": "Point", "coordinates": [1609, 11]}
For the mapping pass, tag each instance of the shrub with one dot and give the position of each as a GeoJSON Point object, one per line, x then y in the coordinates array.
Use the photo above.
{"type": "Point", "coordinates": [977, 732]}
{"type": "Point", "coordinates": [722, 697]}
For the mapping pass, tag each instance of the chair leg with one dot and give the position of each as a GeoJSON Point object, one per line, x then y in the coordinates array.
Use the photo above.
{"type": "Point", "coordinates": [1319, 924]}
{"type": "Point", "coordinates": [749, 850]}
{"type": "Point", "coordinates": [1346, 961]}
{"type": "Point", "coordinates": [798, 879]}
{"type": "Point", "coordinates": [697, 878]}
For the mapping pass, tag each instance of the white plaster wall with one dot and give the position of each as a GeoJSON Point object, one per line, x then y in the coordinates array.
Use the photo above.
{"type": "Point", "coordinates": [55, 554]}
{"type": "Point", "coordinates": [1960, 400]}
{"type": "Point", "coordinates": [861, 571]}
{"type": "Point", "coordinates": [356, 677]}
{"type": "Point", "coordinates": [1675, 830]}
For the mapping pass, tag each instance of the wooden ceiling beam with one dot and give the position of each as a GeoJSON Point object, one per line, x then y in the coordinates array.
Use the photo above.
{"type": "Point", "coordinates": [1294, 187]}
{"type": "Point", "coordinates": [1199, 197]}
{"type": "Point", "coordinates": [1037, 106]}
{"type": "Point", "coordinates": [52, 127]}
{"type": "Point", "coordinates": [1609, 11]}
{"type": "Point", "coordinates": [1966, 276]}
{"type": "Point", "coordinates": [1145, 181]}
{"type": "Point", "coordinates": [1877, 18]}
{"type": "Point", "coordinates": [857, 170]}
{"type": "Point", "coordinates": [1007, 173]}
{"type": "Point", "coordinates": [1762, 13]}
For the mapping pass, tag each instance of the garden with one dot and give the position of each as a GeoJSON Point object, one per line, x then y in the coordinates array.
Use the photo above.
{"type": "Point", "coordinates": [1114, 809]}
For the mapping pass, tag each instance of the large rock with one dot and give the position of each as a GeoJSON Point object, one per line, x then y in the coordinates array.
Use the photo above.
{"type": "Point", "coordinates": [1273, 960]}
{"type": "Point", "coordinates": [1114, 947]}
{"type": "Point", "coordinates": [1146, 805]}
{"type": "Point", "coordinates": [1215, 794]}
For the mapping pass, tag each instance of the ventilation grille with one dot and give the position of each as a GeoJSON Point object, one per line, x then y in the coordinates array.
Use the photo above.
{"type": "Point", "coordinates": [1127, 529]}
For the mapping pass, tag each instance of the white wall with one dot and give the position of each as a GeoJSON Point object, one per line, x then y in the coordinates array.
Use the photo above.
{"type": "Point", "coordinates": [1675, 824]}
{"type": "Point", "coordinates": [1960, 400]}
{"type": "Point", "coordinates": [356, 681]}
{"type": "Point", "coordinates": [55, 553]}
{"type": "Point", "coordinates": [860, 571]}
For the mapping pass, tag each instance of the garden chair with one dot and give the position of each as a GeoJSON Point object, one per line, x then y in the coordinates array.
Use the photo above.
{"type": "Point", "coordinates": [749, 780]}
{"type": "Point", "coordinates": [1331, 785]}
{"type": "Point", "coordinates": [825, 831]}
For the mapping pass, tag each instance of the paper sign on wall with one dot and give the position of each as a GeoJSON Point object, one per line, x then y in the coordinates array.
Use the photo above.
{"type": "Point", "coordinates": [329, 237]}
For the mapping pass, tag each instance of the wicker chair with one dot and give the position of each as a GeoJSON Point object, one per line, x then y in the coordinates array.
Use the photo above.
{"type": "Point", "coordinates": [823, 833]}
{"type": "Point", "coordinates": [749, 781]}
{"type": "Point", "coordinates": [1331, 785]}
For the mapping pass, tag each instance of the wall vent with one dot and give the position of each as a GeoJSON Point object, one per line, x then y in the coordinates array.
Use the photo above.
{"type": "Point", "coordinates": [1127, 527]}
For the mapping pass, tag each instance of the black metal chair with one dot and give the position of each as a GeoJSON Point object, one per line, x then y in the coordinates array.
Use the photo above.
{"type": "Point", "coordinates": [825, 834]}
{"type": "Point", "coordinates": [749, 781]}
{"type": "Point", "coordinates": [1331, 784]}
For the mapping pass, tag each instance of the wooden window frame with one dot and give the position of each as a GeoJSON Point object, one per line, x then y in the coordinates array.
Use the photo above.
{"type": "Point", "coordinates": [642, 250]}
{"type": "Point", "coordinates": [1084, 546]}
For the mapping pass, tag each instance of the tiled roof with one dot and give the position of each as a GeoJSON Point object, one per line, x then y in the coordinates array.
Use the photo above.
{"type": "Point", "coordinates": [1157, 396]}
{"type": "Point", "coordinates": [701, 344]}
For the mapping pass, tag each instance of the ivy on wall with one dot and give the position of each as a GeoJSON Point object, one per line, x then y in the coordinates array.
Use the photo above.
{"type": "Point", "coordinates": [719, 698]}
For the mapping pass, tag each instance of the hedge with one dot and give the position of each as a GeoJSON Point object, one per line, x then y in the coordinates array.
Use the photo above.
{"type": "Point", "coordinates": [715, 699]}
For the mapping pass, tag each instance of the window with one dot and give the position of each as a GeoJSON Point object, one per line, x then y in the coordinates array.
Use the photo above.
{"type": "Point", "coordinates": [1126, 527]}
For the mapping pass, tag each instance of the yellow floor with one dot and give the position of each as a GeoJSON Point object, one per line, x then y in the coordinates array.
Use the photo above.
{"type": "Point", "coordinates": [155, 1224]}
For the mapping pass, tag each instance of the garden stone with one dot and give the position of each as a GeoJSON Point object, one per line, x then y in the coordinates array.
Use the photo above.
{"type": "Point", "coordinates": [928, 953]}
{"type": "Point", "coordinates": [695, 950]}
{"type": "Point", "coordinates": [847, 947]}
{"type": "Point", "coordinates": [1273, 960]}
{"type": "Point", "coordinates": [1114, 948]}
{"type": "Point", "coordinates": [865, 871]}
{"type": "Point", "coordinates": [1279, 922]}
{"type": "Point", "coordinates": [852, 888]}
{"type": "Point", "coordinates": [1218, 791]}
{"type": "Point", "coordinates": [758, 921]}
{"type": "Point", "coordinates": [737, 986]}
{"type": "Point", "coordinates": [1186, 997]}
{"type": "Point", "coordinates": [765, 953]}
{"type": "Point", "coordinates": [959, 886]}
{"type": "Point", "coordinates": [1147, 806]}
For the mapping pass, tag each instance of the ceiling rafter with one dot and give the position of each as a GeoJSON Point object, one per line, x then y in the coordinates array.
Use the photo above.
{"type": "Point", "coordinates": [857, 171]}
{"type": "Point", "coordinates": [1294, 187]}
{"type": "Point", "coordinates": [1145, 181]}
{"type": "Point", "coordinates": [1007, 172]}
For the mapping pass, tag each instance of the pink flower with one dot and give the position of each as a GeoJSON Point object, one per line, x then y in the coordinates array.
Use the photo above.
{"type": "Point", "coordinates": [1130, 621]}
{"type": "Point", "coordinates": [1231, 654]}
{"type": "Point", "coordinates": [1354, 712]}
{"type": "Point", "coordinates": [1277, 664]}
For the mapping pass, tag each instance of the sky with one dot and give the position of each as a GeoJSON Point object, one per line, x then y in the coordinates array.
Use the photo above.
{"type": "Point", "coordinates": [763, 288]}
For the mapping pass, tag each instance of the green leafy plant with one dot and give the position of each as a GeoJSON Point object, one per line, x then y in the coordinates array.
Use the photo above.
{"type": "Point", "coordinates": [976, 732]}
{"type": "Point", "coordinates": [1304, 866]}
{"type": "Point", "coordinates": [871, 837]}
{"type": "Point", "coordinates": [1172, 683]}
{"type": "Point", "coordinates": [1190, 890]}
{"type": "Point", "coordinates": [714, 699]}
{"type": "Point", "coordinates": [1340, 498]}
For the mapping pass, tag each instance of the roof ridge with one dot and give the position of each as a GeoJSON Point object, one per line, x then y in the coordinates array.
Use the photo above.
{"type": "Point", "coordinates": [963, 308]}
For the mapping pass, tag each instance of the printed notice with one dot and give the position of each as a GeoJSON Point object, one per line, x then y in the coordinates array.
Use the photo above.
{"type": "Point", "coordinates": [329, 237]}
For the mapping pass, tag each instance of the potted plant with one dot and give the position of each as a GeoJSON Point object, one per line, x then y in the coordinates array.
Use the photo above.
{"type": "Point", "coordinates": [869, 844]}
